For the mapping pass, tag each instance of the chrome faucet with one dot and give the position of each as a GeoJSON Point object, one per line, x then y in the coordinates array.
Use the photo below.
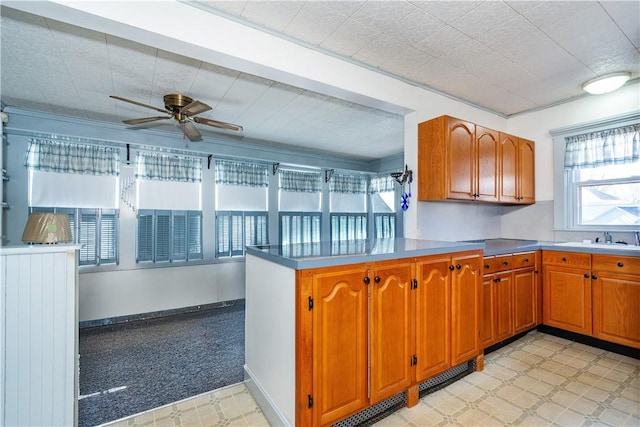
{"type": "Point", "coordinates": [636, 234]}
{"type": "Point", "coordinates": [607, 237]}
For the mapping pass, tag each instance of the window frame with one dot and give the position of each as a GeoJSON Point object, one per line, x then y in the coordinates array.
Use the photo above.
{"type": "Point", "coordinates": [312, 215]}
{"type": "Point", "coordinates": [363, 216]}
{"type": "Point", "coordinates": [231, 250]}
{"type": "Point", "coordinates": [574, 195]}
{"type": "Point", "coordinates": [565, 202]}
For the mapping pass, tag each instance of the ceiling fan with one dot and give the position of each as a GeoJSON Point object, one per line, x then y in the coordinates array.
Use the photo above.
{"type": "Point", "coordinates": [184, 110]}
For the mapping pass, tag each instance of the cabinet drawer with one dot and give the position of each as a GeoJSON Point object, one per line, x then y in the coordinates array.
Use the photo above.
{"type": "Point", "coordinates": [497, 263]}
{"type": "Point", "coordinates": [524, 259]}
{"type": "Point", "coordinates": [616, 264]}
{"type": "Point", "coordinates": [567, 259]}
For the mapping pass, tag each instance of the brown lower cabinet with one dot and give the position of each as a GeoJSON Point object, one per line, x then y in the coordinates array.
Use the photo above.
{"type": "Point", "coordinates": [369, 331]}
{"type": "Point", "coordinates": [510, 296]}
{"type": "Point", "coordinates": [593, 294]}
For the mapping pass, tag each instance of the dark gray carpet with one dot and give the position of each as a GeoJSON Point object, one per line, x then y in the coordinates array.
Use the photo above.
{"type": "Point", "coordinates": [159, 361]}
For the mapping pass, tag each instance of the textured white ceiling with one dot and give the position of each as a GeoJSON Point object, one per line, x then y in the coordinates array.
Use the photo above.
{"type": "Point", "coordinates": [507, 57]}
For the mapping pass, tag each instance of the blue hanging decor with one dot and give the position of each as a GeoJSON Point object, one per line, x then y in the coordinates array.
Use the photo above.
{"type": "Point", "coordinates": [404, 199]}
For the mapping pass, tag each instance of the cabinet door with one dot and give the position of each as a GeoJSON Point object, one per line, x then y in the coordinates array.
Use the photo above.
{"type": "Point", "coordinates": [487, 335]}
{"type": "Point", "coordinates": [524, 299]}
{"type": "Point", "coordinates": [466, 282]}
{"type": "Point", "coordinates": [526, 172]}
{"type": "Point", "coordinates": [503, 290]}
{"type": "Point", "coordinates": [616, 308]}
{"type": "Point", "coordinates": [433, 316]}
{"type": "Point", "coordinates": [567, 298]}
{"type": "Point", "coordinates": [339, 344]}
{"type": "Point", "coordinates": [487, 149]}
{"type": "Point", "coordinates": [392, 339]}
{"type": "Point", "coordinates": [508, 168]}
{"type": "Point", "coordinates": [461, 160]}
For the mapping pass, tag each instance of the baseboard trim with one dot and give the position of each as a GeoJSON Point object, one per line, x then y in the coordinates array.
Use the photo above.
{"type": "Point", "coordinates": [270, 411]}
{"type": "Point", "coordinates": [591, 341]}
{"type": "Point", "coordinates": [157, 314]}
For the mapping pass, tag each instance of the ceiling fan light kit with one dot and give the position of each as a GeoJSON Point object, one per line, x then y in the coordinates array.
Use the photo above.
{"type": "Point", "coordinates": [184, 109]}
{"type": "Point", "coordinates": [607, 83]}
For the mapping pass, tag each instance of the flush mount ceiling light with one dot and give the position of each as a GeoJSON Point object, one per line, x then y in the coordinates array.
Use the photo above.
{"type": "Point", "coordinates": [606, 84]}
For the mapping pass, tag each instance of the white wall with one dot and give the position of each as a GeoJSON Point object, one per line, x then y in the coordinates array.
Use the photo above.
{"type": "Point", "coordinates": [124, 292]}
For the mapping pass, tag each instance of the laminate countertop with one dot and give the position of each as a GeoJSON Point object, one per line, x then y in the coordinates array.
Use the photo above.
{"type": "Point", "coordinates": [327, 254]}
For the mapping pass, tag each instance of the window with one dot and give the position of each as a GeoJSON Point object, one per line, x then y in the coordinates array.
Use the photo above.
{"type": "Point", "coordinates": [383, 205]}
{"type": "Point", "coordinates": [237, 229]}
{"type": "Point", "coordinates": [300, 205]}
{"type": "Point", "coordinates": [300, 227]}
{"type": "Point", "coordinates": [169, 228]}
{"type": "Point", "coordinates": [602, 176]}
{"type": "Point", "coordinates": [96, 230]}
{"type": "Point", "coordinates": [241, 207]}
{"type": "Point", "coordinates": [169, 236]}
{"type": "Point", "coordinates": [348, 207]}
{"type": "Point", "coordinates": [606, 195]}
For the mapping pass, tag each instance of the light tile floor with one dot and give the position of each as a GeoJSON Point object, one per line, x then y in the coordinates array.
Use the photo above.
{"type": "Point", "coordinates": [539, 380]}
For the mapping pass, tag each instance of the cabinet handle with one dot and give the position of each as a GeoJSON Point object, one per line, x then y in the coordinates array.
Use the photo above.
{"type": "Point", "coordinates": [586, 275]}
{"type": "Point", "coordinates": [497, 279]}
{"type": "Point", "coordinates": [376, 279]}
{"type": "Point", "coordinates": [564, 259]}
{"type": "Point", "coordinates": [594, 277]}
{"type": "Point", "coordinates": [451, 267]}
{"type": "Point", "coordinates": [620, 264]}
{"type": "Point", "coordinates": [487, 266]}
{"type": "Point", "coordinates": [505, 263]}
{"type": "Point", "coordinates": [366, 280]}
{"type": "Point", "coordinates": [458, 266]}
{"type": "Point", "coordinates": [526, 260]}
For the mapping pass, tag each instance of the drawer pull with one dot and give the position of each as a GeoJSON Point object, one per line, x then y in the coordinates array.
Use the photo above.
{"type": "Point", "coordinates": [487, 266]}
{"type": "Point", "coordinates": [505, 263]}
{"type": "Point", "coordinates": [366, 280]}
{"type": "Point", "coordinates": [458, 266]}
{"type": "Point", "coordinates": [451, 267]}
{"type": "Point", "coordinates": [526, 260]}
{"type": "Point", "coordinates": [586, 275]}
{"type": "Point", "coordinates": [621, 264]}
{"type": "Point", "coordinates": [497, 279]}
{"type": "Point", "coordinates": [564, 259]}
{"type": "Point", "coordinates": [376, 279]}
{"type": "Point", "coordinates": [594, 277]}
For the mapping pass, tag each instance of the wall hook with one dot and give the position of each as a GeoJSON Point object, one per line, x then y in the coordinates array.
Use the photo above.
{"type": "Point", "coordinates": [328, 174]}
{"type": "Point", "coordinates": [403, 177]}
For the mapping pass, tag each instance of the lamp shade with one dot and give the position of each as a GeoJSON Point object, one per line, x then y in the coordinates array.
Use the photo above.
{"type": "Point", "coordinates": [606, 84]}
{"type": "Point", "coordinates": [43, 227]}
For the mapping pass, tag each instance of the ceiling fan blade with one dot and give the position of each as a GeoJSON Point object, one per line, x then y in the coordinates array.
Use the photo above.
{"type": "Point", "coordinates": [139, 103]}
{"type": "Point", "coordinates": [190, 131]}
{"type": "Point", "coordinates": [218, 124]}
{"type": "Point", "coordinates": [145, 120]}
{"type": "Point", "coordinates": [196, 107]}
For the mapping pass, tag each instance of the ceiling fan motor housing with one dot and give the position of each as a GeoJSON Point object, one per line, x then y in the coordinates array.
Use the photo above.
{"type": "Point", "coordinates": [174, 102]}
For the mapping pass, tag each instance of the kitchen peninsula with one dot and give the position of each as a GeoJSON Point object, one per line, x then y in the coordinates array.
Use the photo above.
{"type": "Point", "coordinates": [336, 329]}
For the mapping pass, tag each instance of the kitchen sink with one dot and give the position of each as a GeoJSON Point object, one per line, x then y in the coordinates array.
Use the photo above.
{"type": "Point", "coordinates": [614, 246]}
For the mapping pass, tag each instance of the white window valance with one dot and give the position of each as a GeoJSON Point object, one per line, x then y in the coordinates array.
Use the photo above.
{"type": "Point", "coordinates": [607, 147]}
{"type": "Point", "coordinates": [168, 167]}
{"type": "Point", "coordinates": [240, 173]}
{"type": "Point", "coordinates": [65, 157]}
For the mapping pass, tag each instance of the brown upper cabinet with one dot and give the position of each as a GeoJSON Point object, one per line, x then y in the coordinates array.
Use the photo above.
{"type": "Point", "coordinates": [517, 176]}
{"type": "Point", "coordinates": [459, 160]}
